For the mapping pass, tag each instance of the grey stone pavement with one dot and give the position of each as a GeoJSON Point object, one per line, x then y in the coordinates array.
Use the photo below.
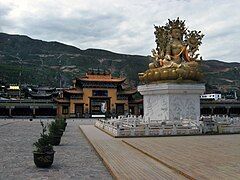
{"type": "Point", "coordinates": [74, 158]}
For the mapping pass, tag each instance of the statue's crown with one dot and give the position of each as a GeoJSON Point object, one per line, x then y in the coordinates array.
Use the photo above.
{"type": "Point", "coordinates": [176, 24]}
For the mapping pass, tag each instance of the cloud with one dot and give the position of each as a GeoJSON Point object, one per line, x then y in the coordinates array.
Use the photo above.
{"type": "Point", "coordinates": [124, 26]}
{"type": "Point", "coordinates": [4, 10]}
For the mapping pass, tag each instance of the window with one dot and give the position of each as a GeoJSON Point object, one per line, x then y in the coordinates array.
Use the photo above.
{"type": "Point", "coordinates": [64, 109]}
{"type": "Point", "coordinates": [103, 93]}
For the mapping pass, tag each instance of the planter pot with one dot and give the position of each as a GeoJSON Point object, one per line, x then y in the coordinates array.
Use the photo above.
{"type": "Point", "coordinates": [65, 125]}
{"type": "Point", "coordinates": [43, 160]}
{"type": "Point", "coordinates": [60, 132]}
{"type": "Point", "coordinates": [55, 140]}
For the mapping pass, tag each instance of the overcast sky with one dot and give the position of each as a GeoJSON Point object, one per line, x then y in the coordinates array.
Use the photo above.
{"type": "Point", "coordinates": [124, 26]}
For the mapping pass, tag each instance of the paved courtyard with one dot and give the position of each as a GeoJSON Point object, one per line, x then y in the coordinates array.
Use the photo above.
{"type": "Point", "coordinates": [74, 158]}
{"type": "Point", "coordinates": [179, 157]}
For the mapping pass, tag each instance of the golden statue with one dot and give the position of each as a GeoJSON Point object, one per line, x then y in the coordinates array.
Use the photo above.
{"type": "Point", "coordinates": [175, 56]}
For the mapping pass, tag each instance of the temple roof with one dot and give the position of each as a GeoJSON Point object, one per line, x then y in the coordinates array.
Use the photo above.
{"type": "Point", "coordinates": [46, 89]}
{"type": "Point", "coordinates": [127, 92]}
{"type": "Point", "coordinates": [73, 91]}
{"type": "Point", "coordinates": [99, 75]}
{"type": "Point", "coordinates": [102, 79]}
{"type": "Point", "coordinates": [136, 101]}
{"type": "Point", "coordinates": [40, 94]}
{"type": "Point", "coordinates": [61, 100]}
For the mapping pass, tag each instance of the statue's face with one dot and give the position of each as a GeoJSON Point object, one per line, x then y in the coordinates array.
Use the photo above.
{"type": "Point", "coordinates": [176, 33]}
{"type": "Point", "coordinates": [193, 40]}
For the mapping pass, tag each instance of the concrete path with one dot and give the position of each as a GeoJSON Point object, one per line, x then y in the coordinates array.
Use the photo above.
{"type": "Point", "coordinates": [74, 158]}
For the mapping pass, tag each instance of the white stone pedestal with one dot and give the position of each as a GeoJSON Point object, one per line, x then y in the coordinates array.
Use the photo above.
{"type": "Point", "coordinates": [171, 101]}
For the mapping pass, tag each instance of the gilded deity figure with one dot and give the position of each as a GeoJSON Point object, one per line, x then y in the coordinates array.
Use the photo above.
{"type": "Point", "coordinates": [176, 49]}
{"type": "Point", "coordinates": [175, 57]}
{"type": "Point", "coordinates": [176, 52]}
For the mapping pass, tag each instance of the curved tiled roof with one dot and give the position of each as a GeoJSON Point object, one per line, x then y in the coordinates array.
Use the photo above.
{"type": "Point", "coordinates": [102, 79]}
{"type": "Point", "coordinates": [127, 92]}
{"type": "Point", "coordinates": [73, 91]}
{"type": "Point", "coordinates": [61, 100]}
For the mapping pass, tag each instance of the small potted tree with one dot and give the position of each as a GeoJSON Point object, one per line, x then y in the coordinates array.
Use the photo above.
{"type": "Point", "coordinates": [55, 133]}
{"type": "Point", "coordinates": [64, 123]}
{"type": "Point", "coordinates": [61, 122]}
{"type": "Point", "coordinates": [43, 153]}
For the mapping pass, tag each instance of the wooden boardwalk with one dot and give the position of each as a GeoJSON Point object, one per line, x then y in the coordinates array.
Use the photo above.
{"type": "Point", "coordinates": [192, 157]}
{"type": "Point", "coordinates": [125, 162]}
{"type": "Point", "coordinates": [201, 157]}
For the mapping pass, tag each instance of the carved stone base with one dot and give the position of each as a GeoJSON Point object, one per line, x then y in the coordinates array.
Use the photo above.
{"type": "Point", "coordinates": [171, 101]}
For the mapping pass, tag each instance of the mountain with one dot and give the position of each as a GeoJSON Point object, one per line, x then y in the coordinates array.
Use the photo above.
{"type": "Point", "coordinates": [221, 76]}
{"type": "Point", "coordinates": [47, 63]}
{"type": "Point", "coordinates": [32, 61]}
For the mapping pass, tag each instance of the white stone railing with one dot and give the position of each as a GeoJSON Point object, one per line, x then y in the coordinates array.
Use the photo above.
{"type": "Point", "coordinates": [138, 126]}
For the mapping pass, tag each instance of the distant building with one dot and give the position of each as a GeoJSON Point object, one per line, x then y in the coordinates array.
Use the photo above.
{"type": "Point", "coordinates": [211, 96]}
{"type": "Point", "coordinates": [2, 89]}
{"type": "Point", "coordinates": [40, 92]}
{"type": "Point", "coordinates": [221, 107]}
{"type": "Point", "coordinates": [92, 91]}
{"type": "Point", "coordinates": [13, 91]}
{"type": "Point", "coordinates": [230, 95]}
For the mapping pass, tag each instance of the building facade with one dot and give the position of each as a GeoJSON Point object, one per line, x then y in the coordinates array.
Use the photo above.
{"type": "Point", "coordinates": [92, 91]}
{"type": "Point", "coordinates": [210, 97]}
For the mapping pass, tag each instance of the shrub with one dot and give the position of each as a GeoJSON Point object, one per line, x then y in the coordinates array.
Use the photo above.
{"type": "Point", "coordinates": [43, 144]}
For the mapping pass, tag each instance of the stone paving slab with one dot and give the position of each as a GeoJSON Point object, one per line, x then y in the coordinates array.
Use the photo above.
{"type": "Point", "coordinates": [4, 122]}
{"type": "Point", "coordinates": [74, 158]}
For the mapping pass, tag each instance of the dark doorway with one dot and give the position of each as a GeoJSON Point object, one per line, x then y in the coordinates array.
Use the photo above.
{"type": "Point", "coordinates": [220, 110]}
{"type": "Point", "coordinates": [4, 111]}
{"type": "Point", "coordinates": [45, 112]}
{"type": "Point", "coordinates": [234, 111]}
{"type": "Point", "coordinates": [79, 110]}
{"type": "Point", "coordinates": [206, 111]}
{"type": "Point", "coordinates": [95, 105]}
{"type": "Point", "coordinates": [120, 109]}
{"type": "Point", "coordinates": [132, 110]}
{"type": "Point", "coordinates": [22, 111]}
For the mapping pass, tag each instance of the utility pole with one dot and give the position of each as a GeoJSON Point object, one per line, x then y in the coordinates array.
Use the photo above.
{"type": "Point", "coordinates": [20, 75]}
{"type": "Point", "coordinates": [59, 70]}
